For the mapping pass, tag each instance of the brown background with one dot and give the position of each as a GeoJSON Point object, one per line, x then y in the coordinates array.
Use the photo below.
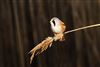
{"type": "Point", "coordinates": [25, 23]}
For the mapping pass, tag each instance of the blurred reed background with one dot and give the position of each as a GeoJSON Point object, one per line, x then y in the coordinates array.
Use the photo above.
{"type": "Point", "coordinates": [25, 23]}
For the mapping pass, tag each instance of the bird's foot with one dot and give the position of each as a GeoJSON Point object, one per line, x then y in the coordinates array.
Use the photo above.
{"type": "Point", "coordinates": [59, 37]}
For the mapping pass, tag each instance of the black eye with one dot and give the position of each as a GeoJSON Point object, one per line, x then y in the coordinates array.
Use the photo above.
{"type": "Point", "coordinates": [53, 22]}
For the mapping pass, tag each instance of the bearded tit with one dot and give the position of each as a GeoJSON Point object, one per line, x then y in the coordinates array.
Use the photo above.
{"type": "Point", "coordinates": [58, 27]}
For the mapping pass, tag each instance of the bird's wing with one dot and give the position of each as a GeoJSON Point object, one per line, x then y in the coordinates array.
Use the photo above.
{"type": "Point", "coordinates": [63, 26]}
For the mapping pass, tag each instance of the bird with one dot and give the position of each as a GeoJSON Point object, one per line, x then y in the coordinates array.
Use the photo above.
{"type": "Point", "coordinates": [58, 27]}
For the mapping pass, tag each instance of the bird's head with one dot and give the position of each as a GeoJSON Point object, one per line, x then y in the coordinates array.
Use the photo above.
{"type": "Point", "coordinates": [55, 21]}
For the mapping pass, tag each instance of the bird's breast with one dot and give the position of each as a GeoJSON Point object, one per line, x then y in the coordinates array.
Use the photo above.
{"type": "Point", "coordinates": [57, 29]}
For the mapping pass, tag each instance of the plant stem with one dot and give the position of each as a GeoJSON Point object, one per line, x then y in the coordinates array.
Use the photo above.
{"type": "Point", "coordinates": [82, 28]}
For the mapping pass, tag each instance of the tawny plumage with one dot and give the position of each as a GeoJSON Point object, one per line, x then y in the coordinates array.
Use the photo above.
{"type": "Point", "coordinates": [58, 28]}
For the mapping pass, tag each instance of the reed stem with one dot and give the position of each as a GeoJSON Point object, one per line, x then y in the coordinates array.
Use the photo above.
{"type": "Point", "coordinates": [82, 28]}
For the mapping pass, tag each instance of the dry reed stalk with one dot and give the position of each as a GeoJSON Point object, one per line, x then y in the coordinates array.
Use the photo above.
{"type": "Point", "coordinates": [41, 47]}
